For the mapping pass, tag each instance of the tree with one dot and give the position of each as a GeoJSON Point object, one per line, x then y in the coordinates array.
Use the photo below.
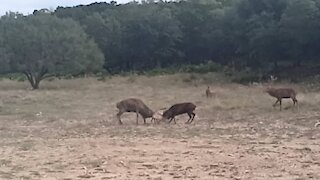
{"type": "Point", "coordinates": [264, 35]}
{"type": "Point", "coordinates": [42, 45]}
{"type": "Point", "coordinates": [154, 33]}
{"type": "Point", "coordinates": [106, 30]}
{"type": "Point", "coordinates": [300, 28]}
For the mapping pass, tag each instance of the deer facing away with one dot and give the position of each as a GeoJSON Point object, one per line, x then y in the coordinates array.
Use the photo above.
{"type": "Point", "coordinates": [134, 105]}
{"type": "Point", "coordinates": [178, 109]}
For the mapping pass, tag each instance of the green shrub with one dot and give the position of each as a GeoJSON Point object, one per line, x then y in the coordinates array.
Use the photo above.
{"type": "Point", "coordinates": [200, 69]}
{"type": "Point", "coordinates": [68, 76]}
{"type": "Point", "coordinates": [161, 71]}
{"type": "Point", "coordinates": [15, 76]}
{"type": "Point", "coordinates": [246, 77]}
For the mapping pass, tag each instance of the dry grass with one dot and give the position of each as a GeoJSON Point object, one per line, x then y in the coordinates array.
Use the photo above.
{"type": "Point", "coordinates": [67, 129]}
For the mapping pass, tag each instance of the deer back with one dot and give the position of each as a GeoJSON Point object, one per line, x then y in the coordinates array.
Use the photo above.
{"type": "Point", "coordinates": [281, 92]}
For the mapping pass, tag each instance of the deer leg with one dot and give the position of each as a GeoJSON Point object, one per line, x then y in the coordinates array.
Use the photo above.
{"type": "Point", "coordinates": [118, 116]}
{"type": "Point", "coordinates": [295, 101]}
{"type": "Point", "coordinates": [170, 120]}
{"type": "Point", "coordinates": [193, 115]}
{"type": "Point", "coordinates": [144, 120]}
{"type": "Point", "coordinates": [276, 103]}
{"type": "Point", "coordinates": [137, 117]}
{"type": "Point", "coordinates": [174, 119]}
{"type": "Point", "coordinates": [280, 101]}
{"type": "Point", "coordinates": [190, 116]}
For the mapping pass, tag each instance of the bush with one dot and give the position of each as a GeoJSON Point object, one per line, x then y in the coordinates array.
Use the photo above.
{"type": "Point", "coordinates": [162, 71]}
{"type": "Point", "coordinates": [200, 69]}
{"type": "Point", "coordinates": [15, 76]}
{"type": "Point", "coordinates": [246, 77]}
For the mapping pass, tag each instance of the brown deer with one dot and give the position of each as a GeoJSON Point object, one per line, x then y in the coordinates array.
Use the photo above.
{"type": "Point", "coordinates": [134, 105]}
{"type": "Point", "coordinates": [178, 109]}
{"type": "Point", "coordinates": [281, 93]}
{"type": "Point", "coordinates": [209, 93]}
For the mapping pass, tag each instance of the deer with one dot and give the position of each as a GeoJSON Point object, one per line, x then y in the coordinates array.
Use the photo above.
{"type": "Point", "coordinates": [178, 109]}
{"type": "Point", "coordinates": [209, 93]}
{"type": "Point", "coordinates": [281, 93]}
{"type": "Point", "coordinates": [134, 105]}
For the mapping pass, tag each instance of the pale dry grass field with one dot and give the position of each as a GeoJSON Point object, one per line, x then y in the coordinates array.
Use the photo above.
{"type": "Point", "coordinates": [68, 130]}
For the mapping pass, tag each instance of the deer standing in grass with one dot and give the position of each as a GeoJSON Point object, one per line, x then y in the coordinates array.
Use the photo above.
{"type": "Point", "coordinates": [281, 93]}
{"type": "Point", "coordinates": [178, 109]}
{"type": "Point", "coordinates": [209, 93]}
{"type": "Point", "coordinates": [134, 105]}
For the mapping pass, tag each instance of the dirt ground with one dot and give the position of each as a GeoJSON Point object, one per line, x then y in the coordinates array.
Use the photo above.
{"type": "Point", "coordinates": [68, 130]}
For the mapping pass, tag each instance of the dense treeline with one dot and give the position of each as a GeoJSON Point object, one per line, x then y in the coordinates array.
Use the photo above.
{"type": "Point", "coordinates": [263, 34]}
{"type": "Point", "coordinates": [256, 35]}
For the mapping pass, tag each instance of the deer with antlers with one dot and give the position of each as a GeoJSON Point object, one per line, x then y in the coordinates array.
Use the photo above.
{"type": "Point", "coordinates": [281, 93]}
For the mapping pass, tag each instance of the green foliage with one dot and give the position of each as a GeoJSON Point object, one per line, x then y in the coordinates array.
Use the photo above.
{"type": "Point", "coordinates": [246, 77]}
{"type": "Point", "coordinates": [199, 69]}
{"type": "Point", "coordinates": [15, 76]}
{"type": "Point", "coordinates": [161, 71]}
{"type": "Point", "coordinates": [243, 33]}
{"type": "Point", "coordinates": [202, 68]}
{"type": "Point", "coordinates": [157, 37]}
{"type": "Point", "coordinates": [42, 44]}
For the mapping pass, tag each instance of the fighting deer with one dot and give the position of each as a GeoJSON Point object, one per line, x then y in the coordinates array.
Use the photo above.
{"type": "Point", "coordinates": [178, 109]}
{"type": "Point", "coordinates": [134, 105]}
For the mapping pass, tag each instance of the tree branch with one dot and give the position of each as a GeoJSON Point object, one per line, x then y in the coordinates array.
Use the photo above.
{"type": "Point", "coordinates": [30, 78]}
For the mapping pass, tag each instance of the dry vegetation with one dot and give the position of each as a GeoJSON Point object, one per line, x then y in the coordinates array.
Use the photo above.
{"type": "Point", "coordinates": [68, 130]}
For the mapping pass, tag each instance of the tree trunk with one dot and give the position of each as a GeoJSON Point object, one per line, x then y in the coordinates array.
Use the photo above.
{"type": "Point", "coordinates": [30, 78]}
{"type": "Point", "coordinates": [36, 83]}
{"type": "Point", "coordinates": [35, 78]}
